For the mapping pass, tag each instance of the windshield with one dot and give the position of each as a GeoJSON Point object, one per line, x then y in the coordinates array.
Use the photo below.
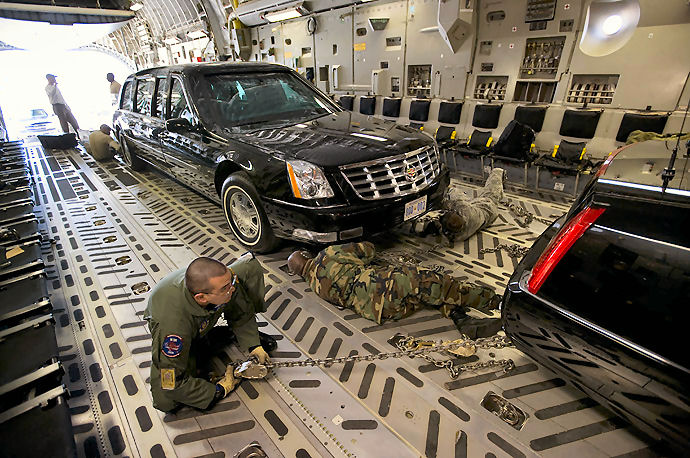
{"type": "Point", "coordinates": [234, 100]}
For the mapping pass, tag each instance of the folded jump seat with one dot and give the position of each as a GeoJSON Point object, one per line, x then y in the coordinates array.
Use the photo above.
{"type": "Point", "coordinates": [646, 122]}
{"type": "Point", "coordinates": [419, 113]}
{"type": "Point", "coordinates": [367, 105]}
{"type": "Point", "coordinates": [347, 102]}
{"type": "Point", "coordinates": [448, 113]}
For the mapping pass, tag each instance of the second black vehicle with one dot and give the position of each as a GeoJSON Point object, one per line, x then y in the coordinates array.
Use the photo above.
{"type": "Point", "coordinates": [602, 297]}
{"type": "Point", "coordinates": [282, 158]}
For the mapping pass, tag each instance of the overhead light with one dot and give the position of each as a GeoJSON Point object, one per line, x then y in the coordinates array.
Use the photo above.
{"type": "Point", "coordinates": [171, 41]}
{"type": "Point", "coordinates": [196, 34]}
{"type": "Point", "coordinates": [136, 6]}
{"type": "Point", "coordinates": [284, 15]}
{"type": "Point", "coordinates": [612, 24]}
{"type": "Point", "coordinates": [609, 25]}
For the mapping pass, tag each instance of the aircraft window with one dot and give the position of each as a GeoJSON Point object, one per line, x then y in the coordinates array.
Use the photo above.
{"type": "Point", "coordinates": [159, 101]}
{"type": "Point", "coordinates": [126, 102]}
{"type": "Point", "coordinates": [178, 102]}
{"type": "Point", "coordinates": [144, 92]}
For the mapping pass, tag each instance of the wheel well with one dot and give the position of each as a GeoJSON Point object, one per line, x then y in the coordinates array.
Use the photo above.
{"type": "Point", "coordinates": [224, 170]}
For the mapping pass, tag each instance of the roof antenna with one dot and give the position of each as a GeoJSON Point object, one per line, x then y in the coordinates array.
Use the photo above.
{"type": "Point", "coordinates": [670, 171]}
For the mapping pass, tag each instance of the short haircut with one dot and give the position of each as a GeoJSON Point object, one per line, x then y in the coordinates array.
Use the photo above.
{"type": "Point", "coordinates": [199, 271]}
{"type": "Point", "coordinates": [105, 129]}
{"type": "Point", "coordinates": [110, 75]}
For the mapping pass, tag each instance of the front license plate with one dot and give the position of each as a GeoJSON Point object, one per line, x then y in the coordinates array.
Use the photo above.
{"type": "Point", "coordinates": [415, 208]}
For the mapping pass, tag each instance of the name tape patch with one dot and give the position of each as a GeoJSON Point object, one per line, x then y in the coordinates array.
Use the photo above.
{"type": "Point", "coordinates": [168, 379]}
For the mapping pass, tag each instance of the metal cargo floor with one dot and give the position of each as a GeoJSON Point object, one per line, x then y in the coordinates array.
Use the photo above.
{"type": "Point", "coordinates": [117, 233]}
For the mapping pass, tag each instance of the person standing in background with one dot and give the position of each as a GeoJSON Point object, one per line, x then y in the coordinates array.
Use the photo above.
{"type": "Point", "coordinates": [60, 107]}
{"type": "Point", "coordinates": [114, 87]}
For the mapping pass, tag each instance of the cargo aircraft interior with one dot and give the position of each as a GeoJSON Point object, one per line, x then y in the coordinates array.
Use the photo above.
{"type": "Point", "coordinates": [337, 228]}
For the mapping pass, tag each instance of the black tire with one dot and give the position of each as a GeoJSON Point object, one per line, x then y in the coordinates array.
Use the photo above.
{"type": "Point", "coordinates": [130, 158]}
{"type": "Point", "coordinates": [245, 214]}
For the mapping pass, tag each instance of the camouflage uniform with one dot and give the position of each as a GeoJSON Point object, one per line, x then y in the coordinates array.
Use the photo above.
{"type": "Point", "coordinates": [479, 212]}
{"type": "Point", "coordinates": [343, 275]}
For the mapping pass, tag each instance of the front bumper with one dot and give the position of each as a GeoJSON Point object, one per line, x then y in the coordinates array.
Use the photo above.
{"type": "Point", "coordinates": [333, 224]}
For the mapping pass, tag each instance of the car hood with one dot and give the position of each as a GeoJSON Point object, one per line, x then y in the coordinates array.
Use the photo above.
{"type": "Point", "coordinates": [338, 139]}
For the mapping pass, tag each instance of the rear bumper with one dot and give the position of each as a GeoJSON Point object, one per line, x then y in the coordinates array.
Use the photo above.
{"type": "Point", "coordinates": [641, 390]}
{"type": "Point", "coordinates": [339, 223]}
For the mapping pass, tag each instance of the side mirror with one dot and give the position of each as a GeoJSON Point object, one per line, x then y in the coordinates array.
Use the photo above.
{"type": "Point", "coordinates": [178, 124]}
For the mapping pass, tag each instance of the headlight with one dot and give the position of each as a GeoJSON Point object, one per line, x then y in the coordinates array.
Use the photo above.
{"type": "Point", "coordinates": [308, 180]}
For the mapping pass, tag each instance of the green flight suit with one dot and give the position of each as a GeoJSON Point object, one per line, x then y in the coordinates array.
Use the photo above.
{"type": "Point", "coordinates": [344, 275]}
{"type": "Point", "coordinates": [176, 321]}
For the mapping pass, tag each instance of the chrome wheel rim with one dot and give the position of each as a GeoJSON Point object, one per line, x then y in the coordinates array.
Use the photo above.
{"type": "Point", "coordinates": [245, 215]}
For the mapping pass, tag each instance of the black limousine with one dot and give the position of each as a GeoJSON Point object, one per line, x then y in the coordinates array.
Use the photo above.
{"type": "Point", "coordinates": [603, 297]}
{"type": "Point", "coordinates": [281, 157]}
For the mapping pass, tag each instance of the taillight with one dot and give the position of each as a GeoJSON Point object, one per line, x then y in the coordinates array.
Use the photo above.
{"type": "Point", "coordinates": [559, 246]}
{"type": "Point", "coordinates": [607, 162]}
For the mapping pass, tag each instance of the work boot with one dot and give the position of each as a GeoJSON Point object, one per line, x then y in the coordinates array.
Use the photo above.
{"type": "Point", "coordinates": [267, 342]}
{"type": "Point", "coordinates": [474, 328]}
{"type": "Point", "coordinates": [491, 304]}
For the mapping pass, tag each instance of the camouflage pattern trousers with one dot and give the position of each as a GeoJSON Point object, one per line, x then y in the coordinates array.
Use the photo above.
{"type": "Point", "coordinates": [479, 212]}
{"type": "Point", "coordinates": [384, 293]}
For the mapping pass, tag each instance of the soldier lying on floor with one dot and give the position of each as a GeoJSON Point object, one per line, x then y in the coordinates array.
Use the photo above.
{"type": "Point", "coordinates": [345, 276]}
{"type": "Point", "coordinates": [461, 216]}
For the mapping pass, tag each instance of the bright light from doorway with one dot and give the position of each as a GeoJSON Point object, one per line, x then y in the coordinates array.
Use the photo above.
{"type": "Point", "coordinates": [81, 77]}
{"type": "Point", "coordinates": [136, 6]}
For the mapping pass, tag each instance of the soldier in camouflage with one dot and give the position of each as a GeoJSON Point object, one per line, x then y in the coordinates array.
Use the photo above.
{"type": "Point", "coordinates": [461, 216]}
{"type": "Point", "coordinates": [345, 275]}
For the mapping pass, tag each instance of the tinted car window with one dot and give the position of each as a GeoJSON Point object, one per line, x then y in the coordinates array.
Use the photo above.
{"type": "Point", "coordinates": [231, 100]}
{"type": "Point", "coordinates": [160, 98]}
{"type": "Point", "coordinates": [630, 274]}
{"type": "Point", "coordinates": [178, 103]}
{"type": "Point", "coordinates": [126, 102]}
{"type": "Point", "coordinates": [144, 91]}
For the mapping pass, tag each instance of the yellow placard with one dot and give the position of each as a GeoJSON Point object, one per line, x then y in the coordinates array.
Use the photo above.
{"type": "Point", "coordinates": [288, 55]}
{"type": "Point", "coordinates": [13, 252]}
{"type": "Point", "coordinates": [360, 46]}
{"type": "Point", "coordinates": [168, 379]}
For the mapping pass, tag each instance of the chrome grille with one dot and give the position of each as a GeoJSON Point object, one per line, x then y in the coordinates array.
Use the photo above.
{"type": "Point", "coordinates": [393, 176]}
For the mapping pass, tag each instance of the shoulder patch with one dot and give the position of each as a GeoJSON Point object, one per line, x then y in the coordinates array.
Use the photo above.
{"type": "Point", "coordinates": [172, 346]}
